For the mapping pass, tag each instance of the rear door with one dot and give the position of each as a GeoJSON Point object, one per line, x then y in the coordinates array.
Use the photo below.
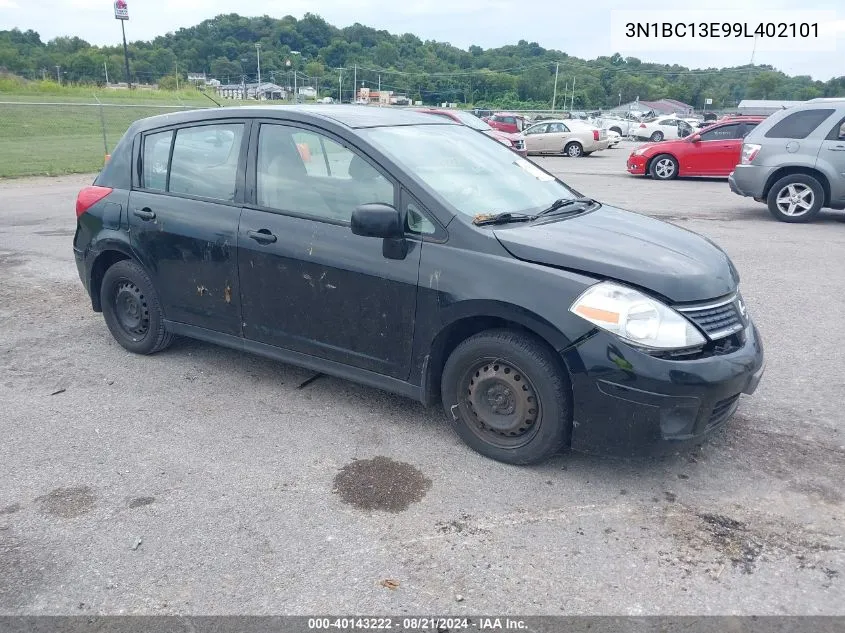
{"type": "Point", "coordinates": [556, 137]}
{"type": "Point", "coordinates": [307, 283]}
{"type": "Point", "coordinates": [183, 220]}
{"type": "Point", "coordinates": [832, 154]}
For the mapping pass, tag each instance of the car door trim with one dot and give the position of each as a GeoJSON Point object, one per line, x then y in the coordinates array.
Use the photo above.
{"type": "Point", "coordinates": [299, 359]}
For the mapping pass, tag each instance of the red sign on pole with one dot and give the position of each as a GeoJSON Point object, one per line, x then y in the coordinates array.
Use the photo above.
{"type": "Point", "coordinates": [121, 10]}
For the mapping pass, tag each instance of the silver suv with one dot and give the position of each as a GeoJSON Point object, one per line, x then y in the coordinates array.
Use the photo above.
{"type": "Point", "coordinates": [795, 161]}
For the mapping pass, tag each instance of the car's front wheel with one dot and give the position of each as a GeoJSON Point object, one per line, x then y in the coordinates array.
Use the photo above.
{"type": "Point", "coordinates": [573, 149]}
{"type": "Point", "coordinates": [796, 198]}
{"type": "Point", "coordinates": [132, 310]}
{"type": "Point", "coordinates": [508, 396]}
{"type": "Point", "coordinates": [663, 167]}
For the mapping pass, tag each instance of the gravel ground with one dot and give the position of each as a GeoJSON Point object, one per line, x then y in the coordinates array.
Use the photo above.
{"type": "Point", "coordinates": [205, 481]}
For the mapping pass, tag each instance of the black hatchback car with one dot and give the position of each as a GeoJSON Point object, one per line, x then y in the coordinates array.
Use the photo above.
{"type": "Point", "coordinates": [412, 254]}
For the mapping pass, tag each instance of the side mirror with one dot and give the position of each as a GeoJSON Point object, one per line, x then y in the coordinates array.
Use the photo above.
{"type": "Point", "coordinates": [377, 220]}
{"type": "Point", "coordinates": [695, 138]}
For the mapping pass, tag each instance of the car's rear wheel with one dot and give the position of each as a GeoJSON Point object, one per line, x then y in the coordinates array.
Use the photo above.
{"type": "Point", "coordinates": [132, 310]}
{"type": "Point", "coordinates": [657, 136]}
{"type": "Point", "coordinates": [618, 130]}
{"type": "Point", "coordinates": [508, 396]}
{"type": "Point", "coordinates": [573, 149]}
{"type": "Point", "coordinates": [663, 167]}
{"type": "Point", "coordinates": [796, 198]}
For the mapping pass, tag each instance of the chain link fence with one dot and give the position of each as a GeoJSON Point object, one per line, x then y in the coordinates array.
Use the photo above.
{"type": "Point", "coordinates": [42, 138]}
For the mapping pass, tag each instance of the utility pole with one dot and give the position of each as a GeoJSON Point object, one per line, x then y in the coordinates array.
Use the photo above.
{"type": "Point", "coordinates": [125, 54]}
{"type": "Point", "coordinates": [340, 85]}
{"type": "Point", "coordinates": [106, 70]}
{"type": "Point", "coordinates": [572, 103]}
{"type": "Point", "coordinates": [355, 84]}
{"type": "Point", "coordinates": [58, 75]}
{"type": "Point", "coordinates": [258, 54]}
{"type": "Point", "coordinates": [554, 94]}
{"type": "Point", "coordinates": [295, 91]}
{"type": "Point", "coordinates": [379, 86]}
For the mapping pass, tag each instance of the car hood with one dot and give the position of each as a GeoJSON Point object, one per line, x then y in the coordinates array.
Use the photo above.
{"type": "Point", "coordinates": [615, 244]}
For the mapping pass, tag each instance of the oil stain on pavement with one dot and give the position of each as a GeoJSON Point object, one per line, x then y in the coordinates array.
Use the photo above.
{"type": "Point", "coordinates": [68, 503]}
{"type": "Point", "coordinates": [381, 483]}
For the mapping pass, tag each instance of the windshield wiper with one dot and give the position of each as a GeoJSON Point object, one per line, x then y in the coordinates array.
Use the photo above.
{"type": "Point", "coordinates": [483, 219]}
{"type": "Point", "coordinates": [563, 203]}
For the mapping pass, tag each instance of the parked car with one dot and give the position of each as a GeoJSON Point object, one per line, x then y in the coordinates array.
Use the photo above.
{"type": "Point", "coordinates": [570, 137]}
{"type": "Point", "coordinates": [795, 161]}
{"type": "Point", "coordinates": [508, 122]}
{"type": "Point", "coordinates": [515, 141]}
{"type": "Point", "coordinates": [481, 113]}
{"type": "Point", "coordinates": [669, 127]}
{"type": "Point", "coordinates": [613, 139]}
{"type": "Point", "coordinates": [714, 151]}
{"type": "Point", "coordinates": [412, 254]}
{"type": "Point", "coordinates": [620, 125]}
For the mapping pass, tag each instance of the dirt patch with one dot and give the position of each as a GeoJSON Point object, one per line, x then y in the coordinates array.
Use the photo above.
{"type": "Point", "coordinates": [67, 503]}
{"type": "Point", "coordinates": [733, 540]}
{"type": "Point", "coordinates": [140, 502]}
{"type": "Point", "coordinates": [461, 525]}
{"type": "Point", "coordinates": [381, 483]}
{"type": "Point", "coordinates": [10, 509]}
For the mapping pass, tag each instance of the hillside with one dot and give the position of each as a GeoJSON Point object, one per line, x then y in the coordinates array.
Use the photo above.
{"type": "Point", "coordinates": [509, 76]}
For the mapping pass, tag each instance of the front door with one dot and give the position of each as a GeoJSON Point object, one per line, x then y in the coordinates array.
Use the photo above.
{"type": "Point", "coordinates": [832, 152]}
{"type": "Point", "coordinates": [307, 283]}
{"type": "Point", "coordinates": [183, 221]}
{"type": "Point", "coordinates": [717, 153]}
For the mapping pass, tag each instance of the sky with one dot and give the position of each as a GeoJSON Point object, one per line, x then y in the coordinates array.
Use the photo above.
{"type": "Point", "coordinates": [581, 30]}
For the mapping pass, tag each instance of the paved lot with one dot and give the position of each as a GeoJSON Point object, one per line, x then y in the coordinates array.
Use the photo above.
{"type": "Point", "coordinates": [202, 480]}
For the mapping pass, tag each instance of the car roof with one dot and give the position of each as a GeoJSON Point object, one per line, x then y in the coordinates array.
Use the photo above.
{"type": "Point", "coordinates": [351, 116]}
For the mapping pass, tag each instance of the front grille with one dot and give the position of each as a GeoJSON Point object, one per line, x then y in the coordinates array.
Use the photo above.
{"type": "Point", "coordinates": [717, 321]}
{"type": "Point", "coordinates": [723, 410]}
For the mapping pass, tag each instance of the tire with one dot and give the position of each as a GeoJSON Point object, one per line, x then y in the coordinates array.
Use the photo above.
{"type": "Point", "coordinates": [508, 397]}
{"type": "Point", "coordinates": [795, 198]}
{"type": "Point", "coordinates": [663, 167]}
{"type": "Point", "coordinates": [573, 149]}
{"type": "Point", "coordinates": [656, 137]}
{"type": "Point", "coordinates": [132, 310]}
{"type": "Point", "coordinates": [618, 130]}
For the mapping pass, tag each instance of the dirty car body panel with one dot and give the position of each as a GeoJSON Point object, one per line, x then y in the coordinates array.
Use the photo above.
{"type": "Point", "coordinates": [387, 312]}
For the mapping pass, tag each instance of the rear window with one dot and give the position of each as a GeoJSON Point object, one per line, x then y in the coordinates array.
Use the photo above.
{"type": "Point", "coordinates": [798, 124]}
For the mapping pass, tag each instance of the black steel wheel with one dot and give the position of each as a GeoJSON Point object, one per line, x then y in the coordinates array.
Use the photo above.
{"type": "Point", "coordinates": [508, 396]}
{"type": "Point", "coordinates": [131, 309]}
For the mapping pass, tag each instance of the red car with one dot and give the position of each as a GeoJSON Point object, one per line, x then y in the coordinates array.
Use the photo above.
{"type": "Point", "coordinates": [515, 141]}
{"type": "Point", "coordinates": [508, 122]}
{"type": "Point", "coordinates": [712, 151]}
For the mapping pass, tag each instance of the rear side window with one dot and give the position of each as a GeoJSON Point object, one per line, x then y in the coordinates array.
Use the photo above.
{"type": "Point", "coordinates": [205, 161]}
{"type": "Point", "coordinates": [798, 124]}
{"type": "Point", "coordinates": [156, 155]}
{"type": "Point", "coordinates": [722, 133]}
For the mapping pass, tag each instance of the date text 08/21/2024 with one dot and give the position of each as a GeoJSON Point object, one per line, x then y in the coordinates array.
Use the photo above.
{"type": "Point", "coordinates": [414, 623]}
{"type": "Point", "coordinates": [721, 30]}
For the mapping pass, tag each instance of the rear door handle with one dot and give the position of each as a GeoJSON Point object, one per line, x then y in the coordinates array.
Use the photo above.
{"type": "Point", "coordinates": [263, 236]}
{"type": "Point", "coordinates": [838, 148]}
{"type": "Point", "coordinates": [145, 214]}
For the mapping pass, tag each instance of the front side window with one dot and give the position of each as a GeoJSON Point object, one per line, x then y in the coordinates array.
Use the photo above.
{"type": "Point", "coordinates": [798, 124]}
{"type": "Point", "coordinates": [205, 161]}
{"type": "Point", "coordinates": [722, 133]}
{"type": "Point", "coordinates": [537, 129]}
{"type": "Point", "coordinates": [308, 173]}
{"type": "Point", "coordinates": [470, 172]}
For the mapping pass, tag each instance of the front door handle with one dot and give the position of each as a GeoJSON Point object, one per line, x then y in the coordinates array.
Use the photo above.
{"type": "Point", "coordinates": [264, 236]}
{"type": "Point", "coordinates": [838, 148]}
{"type": "Point", "coordinates": [145, 214]}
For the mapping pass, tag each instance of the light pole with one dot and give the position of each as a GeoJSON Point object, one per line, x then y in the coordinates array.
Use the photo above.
{"type": "Point", "coordinates": [258, 54]}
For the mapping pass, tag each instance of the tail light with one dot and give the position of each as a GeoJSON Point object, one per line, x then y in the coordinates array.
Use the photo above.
{"type": "Point", "coordinates": [90, 196]}
{"type": "Point", "coordinates": [642, 124]}
{"type": "Point", "coordinates": [749, 153]}
{"type": "Point", "coordinates": [595, 135]}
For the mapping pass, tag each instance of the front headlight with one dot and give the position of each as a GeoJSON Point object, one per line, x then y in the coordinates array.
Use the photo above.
{"type": "Point", "coordinates": [639, 152]}
{"type": "Point", "coordinates": [635, 317]}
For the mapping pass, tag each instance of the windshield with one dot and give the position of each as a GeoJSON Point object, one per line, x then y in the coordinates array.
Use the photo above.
{"type": "Point", "coordinates": [473, 173]}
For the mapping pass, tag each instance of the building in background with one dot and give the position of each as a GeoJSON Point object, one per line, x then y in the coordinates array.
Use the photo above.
{"type": "Point", "coordinates": [764, 107]}
{"type": "Point", "coordinates": [263, 92]}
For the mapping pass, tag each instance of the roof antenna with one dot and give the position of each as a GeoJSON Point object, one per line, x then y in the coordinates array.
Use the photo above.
{"type": "Point", "coordinates": [207, 96]}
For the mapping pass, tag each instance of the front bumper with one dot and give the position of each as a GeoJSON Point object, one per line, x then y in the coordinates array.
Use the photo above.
{"type": "Point", "coordinates": [637, 165]}
{"type": "Point", "coordinates": [628, 402]}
